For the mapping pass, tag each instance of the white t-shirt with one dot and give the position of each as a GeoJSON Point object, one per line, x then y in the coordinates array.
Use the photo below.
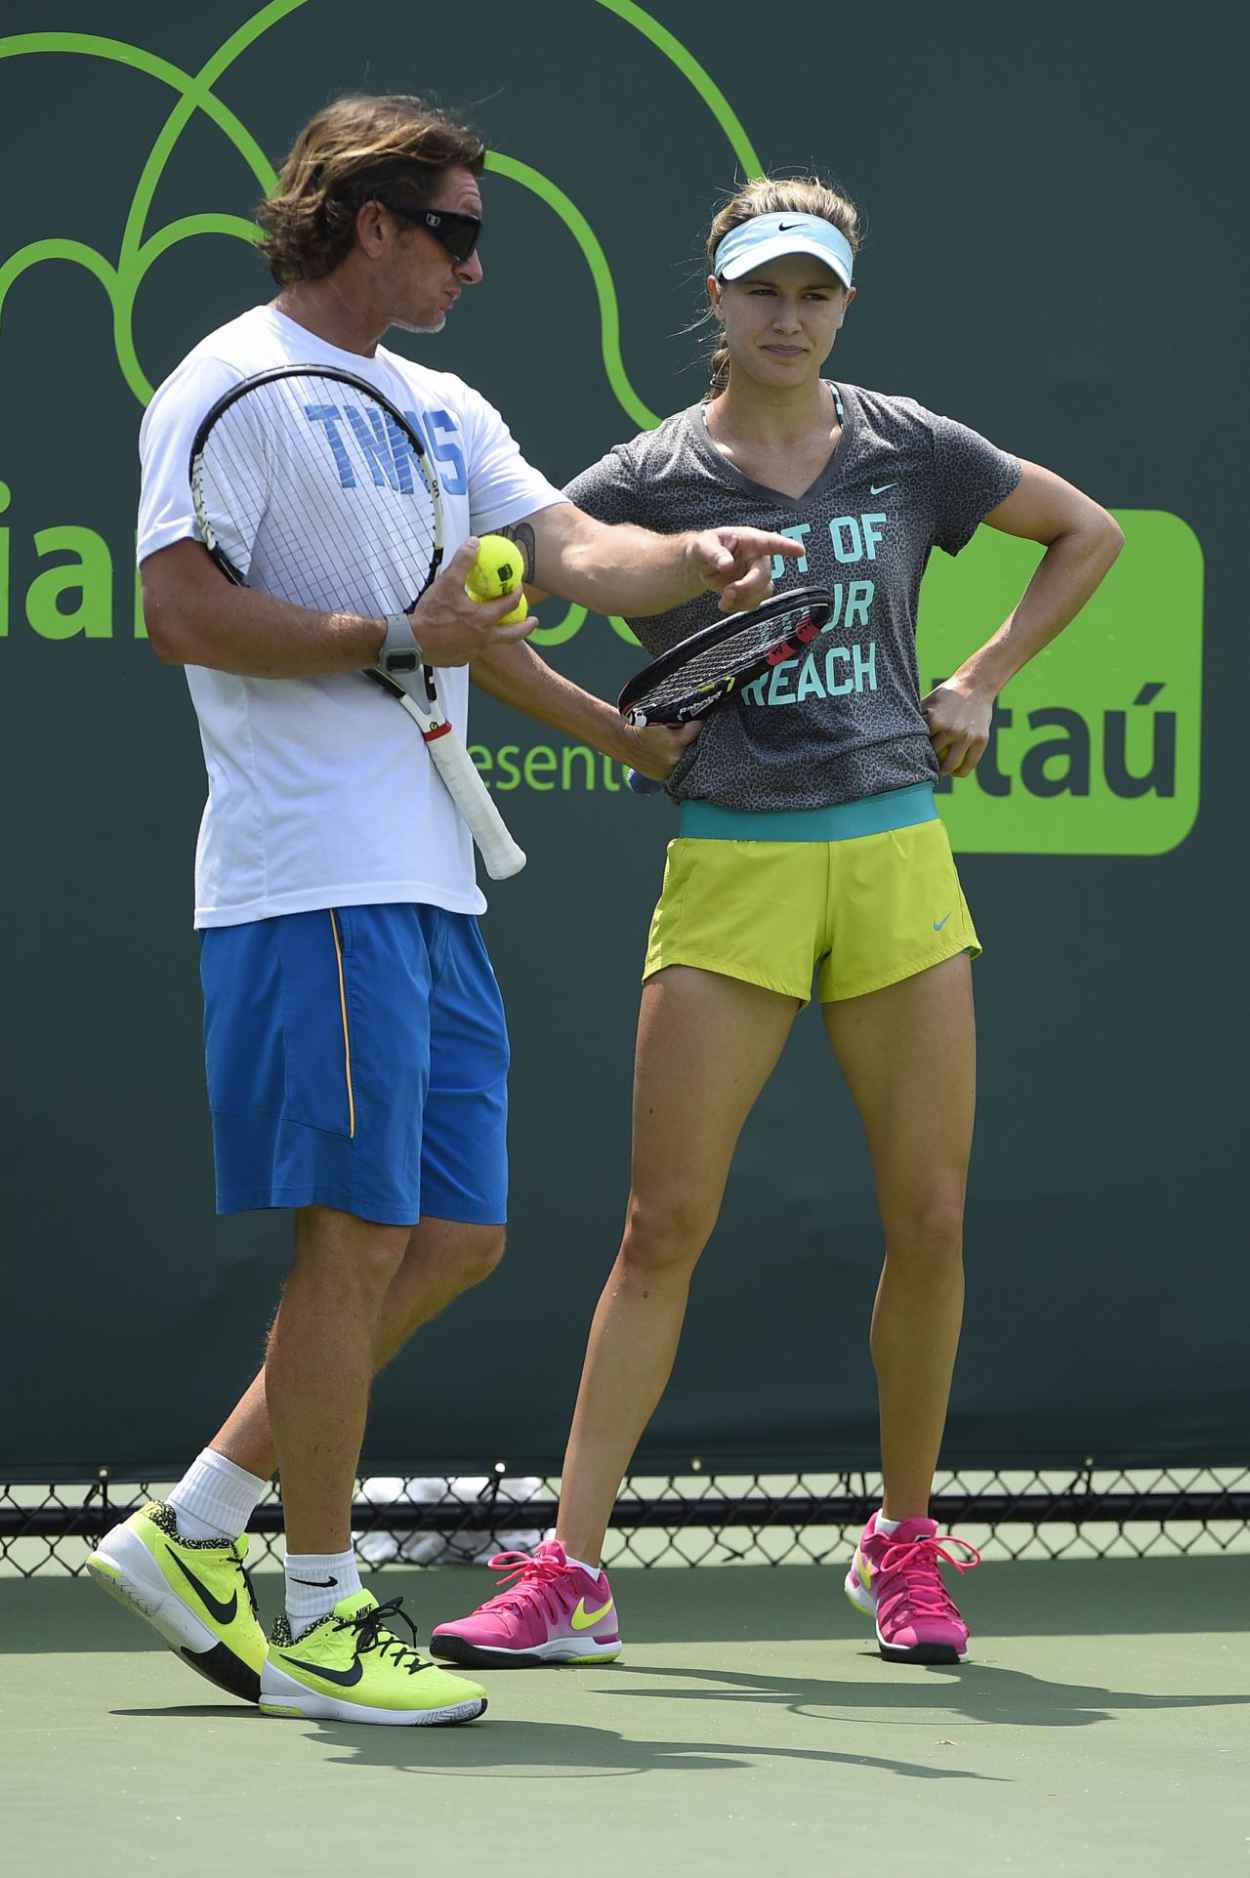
{"type": "Point", "coordinates": [320, 790]}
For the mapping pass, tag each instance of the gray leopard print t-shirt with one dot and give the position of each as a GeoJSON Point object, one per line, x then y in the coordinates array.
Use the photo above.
{"type": "Point", "coordinates": [844, 720]}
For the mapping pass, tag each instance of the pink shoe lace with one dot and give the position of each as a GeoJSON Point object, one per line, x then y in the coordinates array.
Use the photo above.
{"type": "Point", "coordinates": [916, 1562]}
{"type": "Point", "coordinates": [536, 1579]}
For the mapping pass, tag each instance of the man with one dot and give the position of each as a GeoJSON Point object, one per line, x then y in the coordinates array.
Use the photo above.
{"type": "Point", "coordinates": [376, 1114]}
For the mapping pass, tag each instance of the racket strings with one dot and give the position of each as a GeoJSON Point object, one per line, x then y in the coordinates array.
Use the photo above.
{"type": "Point", "coordinates": [316, 496]}
{"type": "Point", "coordinates": [716, 664]}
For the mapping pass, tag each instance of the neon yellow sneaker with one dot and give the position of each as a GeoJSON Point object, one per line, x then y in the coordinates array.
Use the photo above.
{"type": "Point", "coordinates": [195, 1592]}
{"type": "Point", "coordinates": [349, 1667]}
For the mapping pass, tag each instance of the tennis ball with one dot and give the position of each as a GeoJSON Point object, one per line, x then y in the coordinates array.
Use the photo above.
{"type": "Point", "coordinates": [497, 570]}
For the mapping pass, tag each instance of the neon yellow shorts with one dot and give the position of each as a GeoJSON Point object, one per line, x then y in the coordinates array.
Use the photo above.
{"type": "Point", "coordinates": [860, 895]}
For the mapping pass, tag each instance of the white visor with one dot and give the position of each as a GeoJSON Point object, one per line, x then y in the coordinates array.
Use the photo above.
{"type": "Point", "coordinates": [767, 237]}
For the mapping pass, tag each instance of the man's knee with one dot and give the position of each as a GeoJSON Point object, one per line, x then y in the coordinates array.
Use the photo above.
{"type": "Point", "coordinates": [357, 1255]}
{"type": "Point", "coordinates": [479, 1254]}
{"type": "Point", "coordinates": [455, 1255]}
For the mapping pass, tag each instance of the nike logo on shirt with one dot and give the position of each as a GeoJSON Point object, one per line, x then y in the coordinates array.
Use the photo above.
{"type": "Point", "coordinates": [879, 489]}
{"type": "Point", "coordinates": [224, 1613]}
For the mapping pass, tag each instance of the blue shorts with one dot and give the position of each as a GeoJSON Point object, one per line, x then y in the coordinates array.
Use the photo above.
{"type": "Point", "coordinates": [357, 1058]}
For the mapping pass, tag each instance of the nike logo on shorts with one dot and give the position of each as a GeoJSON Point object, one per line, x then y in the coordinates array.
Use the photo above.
{"type": "Point", "coordinates": [224, 1613]}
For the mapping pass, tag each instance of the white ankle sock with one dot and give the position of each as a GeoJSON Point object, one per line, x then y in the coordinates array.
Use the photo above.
{"type": "Point", "coordinates": [887, 1527]}
{"type": "Point", "coordinates": [315, 1583]}
{"type": "Point", "coordinates": [581, 1564]}
{"type": "Point", "coordinates": [215, 1498]}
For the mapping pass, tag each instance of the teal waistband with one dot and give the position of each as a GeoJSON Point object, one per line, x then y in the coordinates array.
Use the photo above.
{"type": "Point", "coordinates": [844, 821]}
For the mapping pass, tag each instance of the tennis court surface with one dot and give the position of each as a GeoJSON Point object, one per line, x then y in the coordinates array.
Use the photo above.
{"type": "Point", "coordinates": [1103, 1726]}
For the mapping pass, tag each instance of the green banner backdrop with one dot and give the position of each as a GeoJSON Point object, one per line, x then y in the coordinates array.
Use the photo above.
{"type": "Point", "coordinates": [1056, 256]}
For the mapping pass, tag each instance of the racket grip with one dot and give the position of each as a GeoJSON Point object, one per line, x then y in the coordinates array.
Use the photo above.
{"type": "Point", "coordinates": [458, 774]}
{"type": "Point", "coordinates": [642, 785]}
{"type": "Point", "coordinates": [500, 853]}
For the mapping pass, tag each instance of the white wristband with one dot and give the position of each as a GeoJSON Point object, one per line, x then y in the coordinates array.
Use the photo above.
{"type": "Point", "coordinates": [401, 655]}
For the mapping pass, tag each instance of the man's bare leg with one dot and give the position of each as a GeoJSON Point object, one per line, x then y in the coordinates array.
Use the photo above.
{"type": "Point", "coordinates": [443, 1258]}
{"type": "Point", "coordinates": [319, 1367]}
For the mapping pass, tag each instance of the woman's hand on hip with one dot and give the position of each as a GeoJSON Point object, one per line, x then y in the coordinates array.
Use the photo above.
{"type": "Point", "coordinates": [958, 715]}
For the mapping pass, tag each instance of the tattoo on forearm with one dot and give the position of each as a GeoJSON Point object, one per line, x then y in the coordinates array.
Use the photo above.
{"type": "Point", "coordinates": [523, 535]}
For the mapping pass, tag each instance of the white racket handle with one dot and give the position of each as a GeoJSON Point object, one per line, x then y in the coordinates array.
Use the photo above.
{"type": "Point", "coordinates": [500, 853]}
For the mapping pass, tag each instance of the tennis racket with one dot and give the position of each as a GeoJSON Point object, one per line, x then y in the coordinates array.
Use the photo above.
{"type": "Point", "coordinates": [311, 486]}
{"type": "Point", "coordinates": [719, 659]}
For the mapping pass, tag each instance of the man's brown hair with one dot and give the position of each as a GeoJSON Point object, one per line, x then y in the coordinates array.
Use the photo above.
{"type": "Point", "coordinates": [359, 148]}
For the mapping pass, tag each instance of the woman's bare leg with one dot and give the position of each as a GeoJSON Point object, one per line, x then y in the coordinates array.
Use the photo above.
{"type": "Point", "coordinates": [707, 1044]}
{"type": "Point", "coordinates": [908, 1055]}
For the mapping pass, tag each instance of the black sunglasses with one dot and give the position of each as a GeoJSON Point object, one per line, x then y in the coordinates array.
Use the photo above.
{"type": "Point", "coordinates": [459, 234]}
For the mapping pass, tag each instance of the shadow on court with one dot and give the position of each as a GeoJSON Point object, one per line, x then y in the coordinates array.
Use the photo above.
{"type": "Point", "coordinates": [536, 1749]}
{"type": "Point", "coordinates": [1002, 1598]}
{"type": "Point", "coordinates": [763, 1658]}
{"type": "Point", "coordinates": [980, 1693]}
{"type": "Point", "coordinates": [732, 1604]}
{"type": "Point", "coordinates": [1098, 1728]}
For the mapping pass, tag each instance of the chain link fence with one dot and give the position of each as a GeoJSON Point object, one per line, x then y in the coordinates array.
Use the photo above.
{"type": "Point", "coordinates": [697, 1519]}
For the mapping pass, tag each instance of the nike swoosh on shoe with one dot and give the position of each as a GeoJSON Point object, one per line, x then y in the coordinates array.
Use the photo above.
{"type": "Point", "coordinates": [582, 1619]}
{"type": "Point", "coordinates": [344, 1677]}
{"type": "Point", "coordinates": [224, 1613]}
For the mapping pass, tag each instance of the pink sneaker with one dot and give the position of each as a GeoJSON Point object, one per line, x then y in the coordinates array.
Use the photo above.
{"type": "Point", "coordinates": [896, 1581]}
{"type": "Point", "coordinates": [552, 1612]}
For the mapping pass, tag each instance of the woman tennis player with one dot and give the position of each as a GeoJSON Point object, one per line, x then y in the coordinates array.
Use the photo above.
{"type": "Point", "coordinates": [809, 851]}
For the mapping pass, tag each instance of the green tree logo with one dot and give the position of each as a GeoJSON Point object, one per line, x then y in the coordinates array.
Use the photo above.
{"type": "Point", "coordinates": [122, 278]}
{"type": "Point", "coordinates": [1097, 750]}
